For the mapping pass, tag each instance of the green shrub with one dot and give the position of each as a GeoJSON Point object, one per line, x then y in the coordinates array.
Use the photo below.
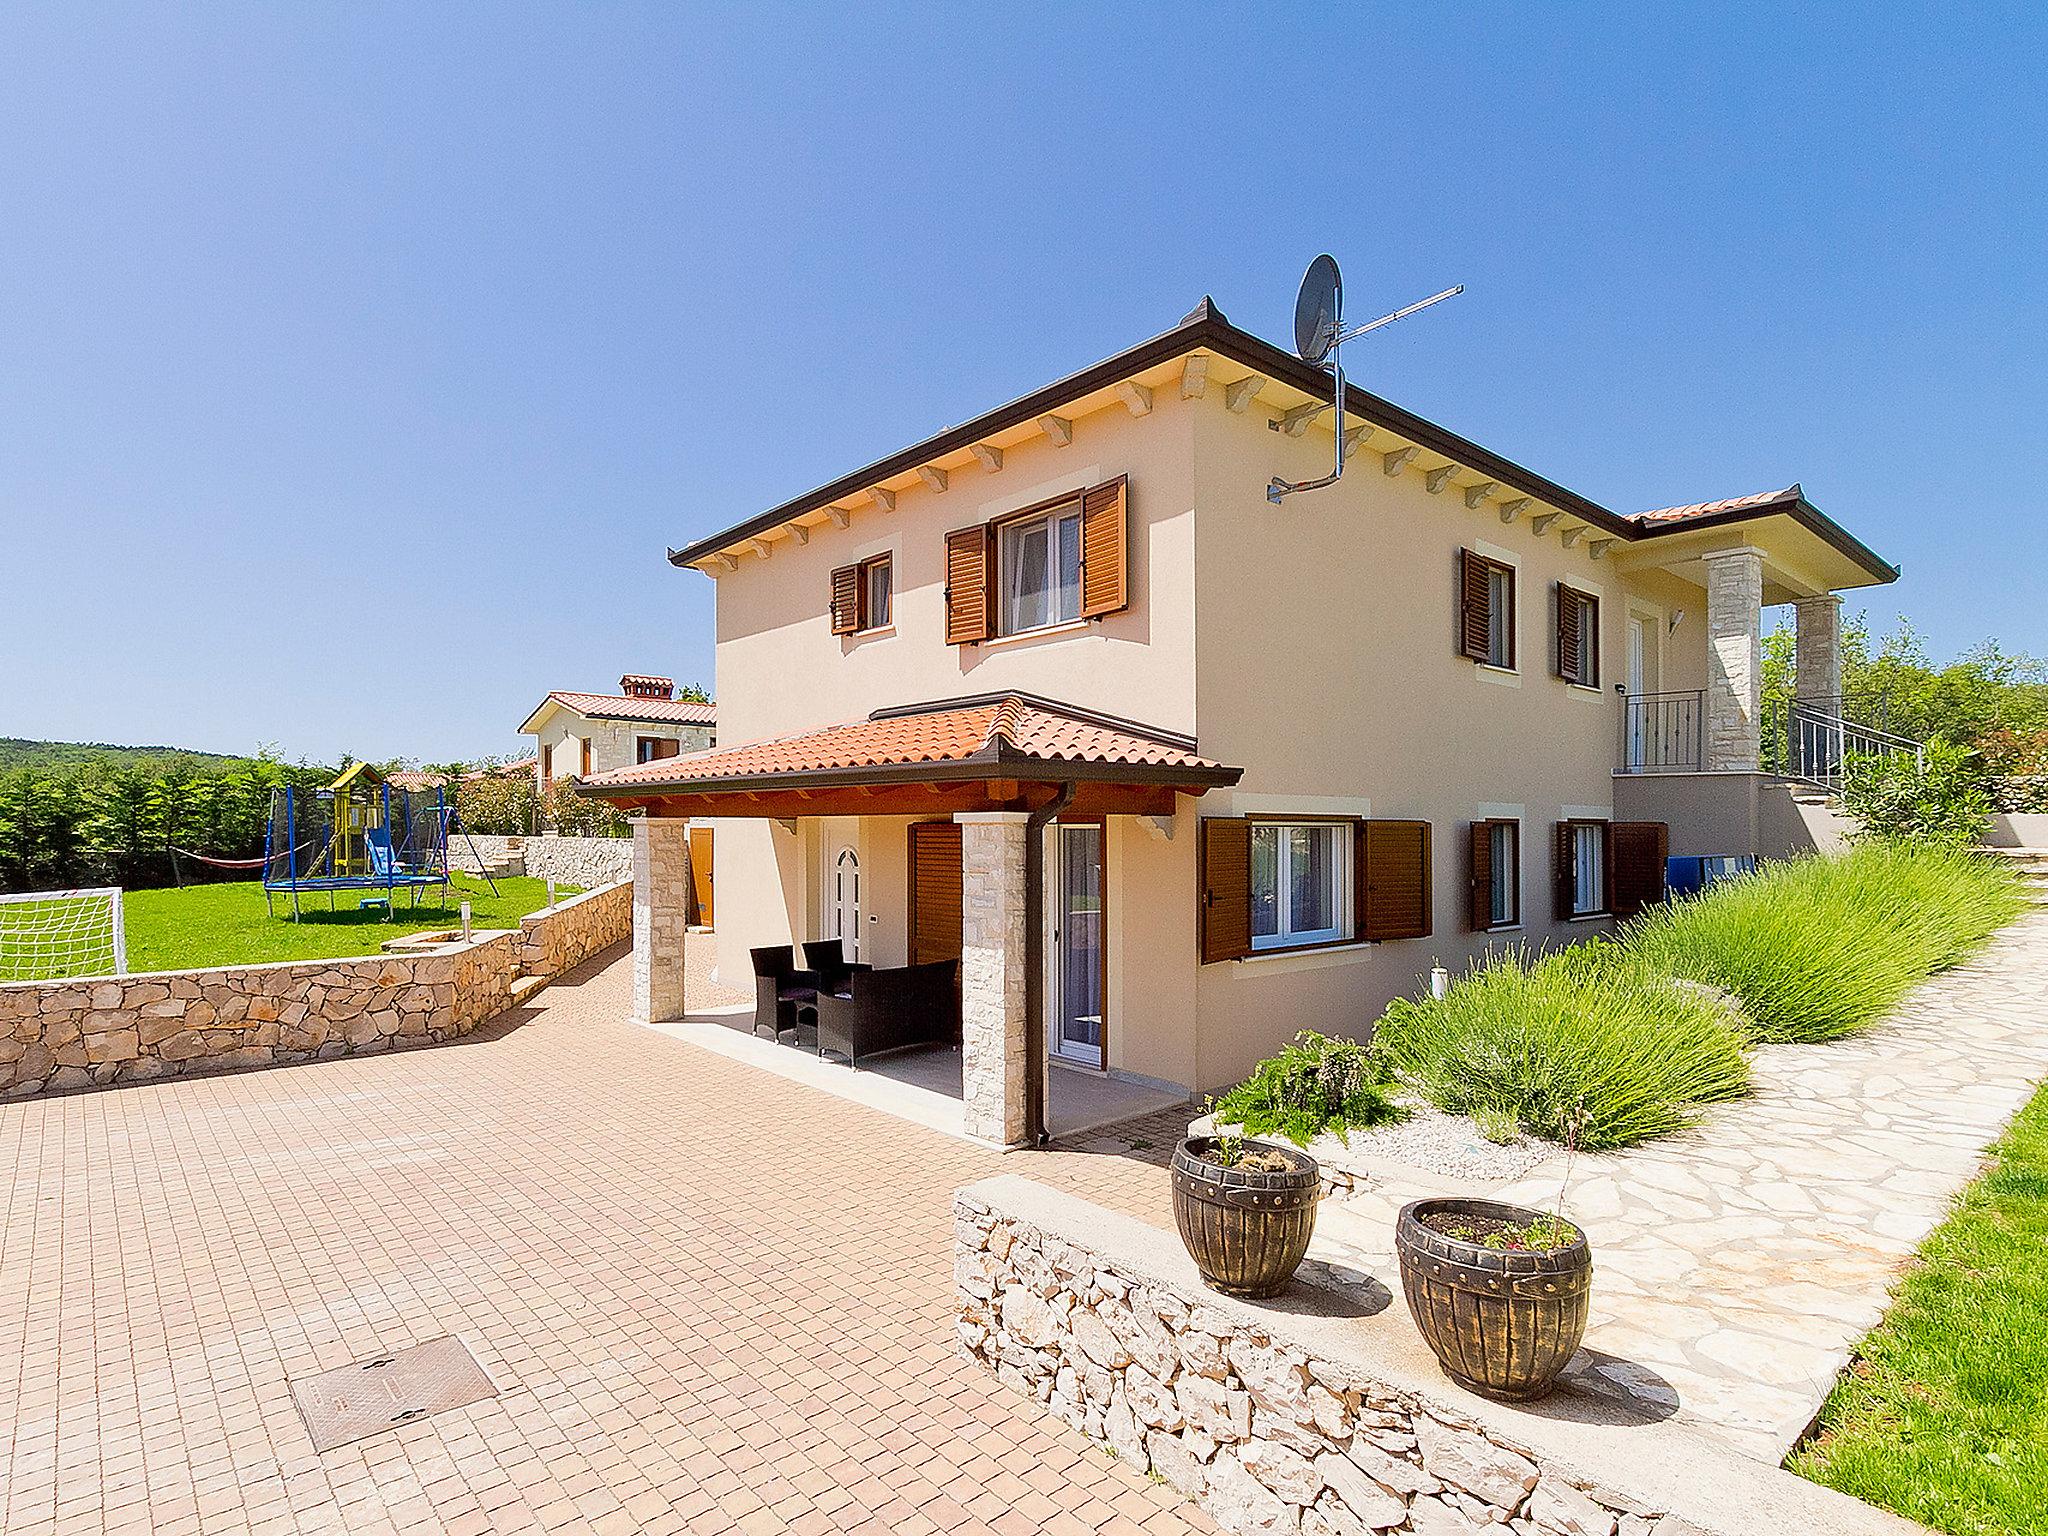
{"type": "Point", "coordinates": [1815, 949]}
{"type": "Point", "coordinates": [1943, 804]}
{"type": "Point", "coordinates": [1589, 1045]}
{"type": "Point", "coordinates": [1314, 1085]}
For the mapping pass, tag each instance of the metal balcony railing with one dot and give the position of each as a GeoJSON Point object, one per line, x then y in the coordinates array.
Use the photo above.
{"type": "Point", "coordinates": [1660, 732]}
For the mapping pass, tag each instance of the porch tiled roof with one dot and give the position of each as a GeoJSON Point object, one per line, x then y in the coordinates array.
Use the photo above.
{"type": "Point", "coordinates": [618, 706]}
{"type": "Point", "coordinates": [1008, 733]}
{"type": "Point", "coordinates": [1664, 515]}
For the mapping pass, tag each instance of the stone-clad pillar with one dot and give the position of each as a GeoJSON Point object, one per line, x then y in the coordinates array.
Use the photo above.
{"type": "Point", "coordinates": [1735, 612]}
{"type": "Point", "coordinates": [1817, 652]}
{"type": "Point", "coordinates": [993, 1068]}
{"type": "Point", "coordinates": [661, 898]}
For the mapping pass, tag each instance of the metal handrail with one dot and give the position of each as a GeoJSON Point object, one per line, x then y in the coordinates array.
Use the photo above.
{"type": "Point", "coordinates": [1819, 743]}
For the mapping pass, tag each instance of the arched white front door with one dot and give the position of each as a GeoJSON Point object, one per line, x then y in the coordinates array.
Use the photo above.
{"type": "Point", "coordinates": [844, 908]}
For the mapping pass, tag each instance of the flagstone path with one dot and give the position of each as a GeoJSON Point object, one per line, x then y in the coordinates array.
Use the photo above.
{"type": "Point", "coordinates": [1737, 1265]}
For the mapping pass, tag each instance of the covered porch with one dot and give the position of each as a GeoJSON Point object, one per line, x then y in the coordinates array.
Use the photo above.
{"type": "Point", "coordinates": [1700, 745]}
{"type": "Point", "coordinates": [974, 838]}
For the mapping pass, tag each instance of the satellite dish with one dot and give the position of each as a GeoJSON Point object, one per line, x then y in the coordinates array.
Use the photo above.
{"type": "Point", "coordinates": [1318, 309]}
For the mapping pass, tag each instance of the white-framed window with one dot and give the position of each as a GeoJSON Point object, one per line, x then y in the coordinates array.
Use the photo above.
{"type": "Point", "coordinates": [1038, 562]}
{"type": "Point", "coordinates": [1504, 866]}
{"type": "Point", "coordinates": [1587, 875]}
{"type": "Point", "coordinates": [1300, 883]}
{"type": "Point", "coordinates": [877, 577]}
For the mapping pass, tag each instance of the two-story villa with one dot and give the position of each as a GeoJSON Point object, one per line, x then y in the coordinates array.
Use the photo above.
{"type": "Point", "coordinates": [580, 735]}
{"type": "Point", "coordinates": [1177, 772]}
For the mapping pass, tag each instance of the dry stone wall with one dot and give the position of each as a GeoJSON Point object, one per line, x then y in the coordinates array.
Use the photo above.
{"type": "Point", "coordinates": [566, 935]}
{"type": "Point", "coordinates": [1278, 1438]}
{"type": "Point", "coordinates": [579, 861]}
{"type": "Point", "coordinates": [79, 1034]}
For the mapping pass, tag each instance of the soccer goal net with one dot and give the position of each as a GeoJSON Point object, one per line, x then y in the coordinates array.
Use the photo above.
{"type": "Point", "coordinates": [49, 935]}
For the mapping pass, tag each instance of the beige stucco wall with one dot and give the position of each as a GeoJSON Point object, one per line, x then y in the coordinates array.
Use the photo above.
{"type": "Point", "coordinates": [1312, 644]}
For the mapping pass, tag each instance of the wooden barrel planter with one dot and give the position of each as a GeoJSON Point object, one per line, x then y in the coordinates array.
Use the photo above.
{"type": "Point", "coordinates": [1502, 1323]}
{"type": "Point", "coordinates": [1245, 1228]}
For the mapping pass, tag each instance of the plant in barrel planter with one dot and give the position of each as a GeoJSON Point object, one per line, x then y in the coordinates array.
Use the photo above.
{"type": "Point", "coordinates": [1245, 1210]}
{"type": "Point", "coordinates": [1500, 1292]}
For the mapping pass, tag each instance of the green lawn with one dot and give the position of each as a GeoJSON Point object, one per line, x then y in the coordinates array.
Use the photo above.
{"type": "Point", "coordinates": [207, 925]}
{"type": "Point", "coordinates": [1944, 1418]}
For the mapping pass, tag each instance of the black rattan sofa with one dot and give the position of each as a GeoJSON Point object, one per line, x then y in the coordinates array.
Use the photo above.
{"type": "Point", "coordinates": [886, 1010]}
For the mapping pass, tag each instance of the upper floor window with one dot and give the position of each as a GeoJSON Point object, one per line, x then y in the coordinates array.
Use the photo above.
{"type": "Point", "coordinates": [862, 595]}
{"type": "Point", "coordinates": [1486, 609]}
{"type": "Point", "coordinates": [1578, 637]}
{"type": "Point", "coordinates": [650, 749]}
{"type": "Point", "coordinates": [586, 757]}
{"type": "Point", "coordinates": [1039, 564]}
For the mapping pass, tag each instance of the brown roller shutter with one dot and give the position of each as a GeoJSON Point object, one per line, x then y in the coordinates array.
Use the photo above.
{"type": "Point", "coordinates": [1105, 550]}
{"type": "Point", "coordinates": [970, 584]}
{"type": "Point", "coordinates": [1636, 854]}
{"type": "Point", "coordinates": [1568, 637]}
{"type": "Point", "coordinates": [1480, 902]}
{"type": "Point", "coordinates": [1225, 918]}
{"type": "Point", "coordinates": [846, 600]}
{"type": "Point", "coordinates": [935, 893]}
{"type": "Point", "coordinates": [1396, 900]}
{"type": "Point", "coordinates": [1472, 610]}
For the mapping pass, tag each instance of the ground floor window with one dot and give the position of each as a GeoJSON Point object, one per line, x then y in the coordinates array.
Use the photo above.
{"type": "Point", "coordinates": [1504, 863]}
{"type": "Point", "coordinates": [1300, 883]}
{"type": "Point", "coordinates": [1583, 877]}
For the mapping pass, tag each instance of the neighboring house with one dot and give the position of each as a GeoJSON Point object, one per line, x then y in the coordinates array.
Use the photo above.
{"type": "Point", "coordinates": [1178, 772]}
{"type": "Point", "coordinates": [422, 778]}
{"type": "Point", "coordinates": [581, 734]}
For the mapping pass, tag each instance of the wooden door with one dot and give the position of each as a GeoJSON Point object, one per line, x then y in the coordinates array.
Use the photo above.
{"type": "Point", "coordinates": [935, 925]}
{"type": "Point", "coordinates": [700, 872]}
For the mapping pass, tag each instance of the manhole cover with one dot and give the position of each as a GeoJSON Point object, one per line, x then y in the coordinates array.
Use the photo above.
{"type": "Point", "coordinates": [390, 1390]}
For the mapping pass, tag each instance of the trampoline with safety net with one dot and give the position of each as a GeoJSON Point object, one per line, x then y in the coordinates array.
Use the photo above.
{"type": "Point", "coordinates": [358, 834]}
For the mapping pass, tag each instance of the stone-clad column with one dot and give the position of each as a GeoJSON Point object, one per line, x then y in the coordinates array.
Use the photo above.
{"type": "Point", "coordinates": [661, 897]}
{"type": "Point", "coordinates": [993, 1068]}
{"type": "Point", "coordinates": [1817, 652]}
{"type": "Point", "coordinates": [1735, 612]}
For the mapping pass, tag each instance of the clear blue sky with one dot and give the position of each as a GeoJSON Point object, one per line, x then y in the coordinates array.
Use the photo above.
{"type": "Point", "coordinates": [358, 363]}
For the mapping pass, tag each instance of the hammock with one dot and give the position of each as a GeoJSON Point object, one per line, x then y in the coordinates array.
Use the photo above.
{"type": "Point", "coordinates": [256, 863]}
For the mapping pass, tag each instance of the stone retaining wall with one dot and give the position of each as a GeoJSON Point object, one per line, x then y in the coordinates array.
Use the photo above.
{"type": "Point", "coordinates": [566, 935]}
{"type": "Point", "coordinates": [1312, 1415]}
{"type": "Point", "coordinates": [56, 1035]}
{"type": "Point", "coordinates": [580, 861]}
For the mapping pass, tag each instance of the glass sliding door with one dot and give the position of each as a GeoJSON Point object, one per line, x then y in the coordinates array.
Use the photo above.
{"type": "Point", "coordinates": [1080, 937]}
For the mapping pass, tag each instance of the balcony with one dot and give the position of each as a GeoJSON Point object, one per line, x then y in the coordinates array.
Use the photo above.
{"type": "Point", "coordinates": [1660, 732]}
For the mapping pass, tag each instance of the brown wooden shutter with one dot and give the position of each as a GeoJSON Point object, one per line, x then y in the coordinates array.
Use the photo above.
{"type": "Point", "coordinates": [1396, 898]}
{"type": "Point", "coordinates": [1636, 851]}
{"type": "Point", "coordinates": [935, 891]}
{"type": "Point", "coordinates": [1225, 918]}
{"type": "Point", "coordinates": [1590, 639]}
{"type": "Point", "coordinates": [970, 584]}
{"type": "Point", "coordinates": [1479, 911]}
{"type": "Point", "coordinates": [1472, 607]}
{"type": "Point", "coordinates": [846, 600]}
{"type": "Point", "coordinates": [1561, 869]}
{"type": "Point", "coordinates": [1105, 550]}
{"type": "Point", "coordinates": [1568, 637]}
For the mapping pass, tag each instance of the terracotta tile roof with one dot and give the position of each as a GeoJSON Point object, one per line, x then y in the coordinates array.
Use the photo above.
{"type": "Point", "coordinates": [421, 778]}
{"type": "Point", "coordinates": [1708, 508]}
{"type": "Point", "coordinates": [617, 706]}
{"type": "Point", "coordinates": [1009, 733]}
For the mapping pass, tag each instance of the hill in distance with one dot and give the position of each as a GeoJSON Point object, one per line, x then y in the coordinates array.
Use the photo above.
{"type": "Point", "coordinates": [18, 752]}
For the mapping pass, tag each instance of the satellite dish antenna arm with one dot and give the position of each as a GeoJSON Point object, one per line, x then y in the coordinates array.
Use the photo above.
{"type": "Point", "coordinates": [1280, 489]}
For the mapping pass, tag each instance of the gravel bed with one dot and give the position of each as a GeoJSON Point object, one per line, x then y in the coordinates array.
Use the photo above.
{"type": "Point", "coordinates": [1436, 1142]}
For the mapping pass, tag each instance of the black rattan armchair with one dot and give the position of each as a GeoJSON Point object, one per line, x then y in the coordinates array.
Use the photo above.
{"type": "Point", "coordinates": [782, 993]}
{"type": "Point", "coordinates": [827, 959]}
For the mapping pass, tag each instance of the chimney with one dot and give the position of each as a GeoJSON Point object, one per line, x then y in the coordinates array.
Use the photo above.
{"type": "Point", "coordinates": [635, 686]}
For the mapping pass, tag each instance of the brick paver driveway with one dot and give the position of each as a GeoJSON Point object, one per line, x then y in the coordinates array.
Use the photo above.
{"type": "Point", "coordinates": [714, 1300]}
